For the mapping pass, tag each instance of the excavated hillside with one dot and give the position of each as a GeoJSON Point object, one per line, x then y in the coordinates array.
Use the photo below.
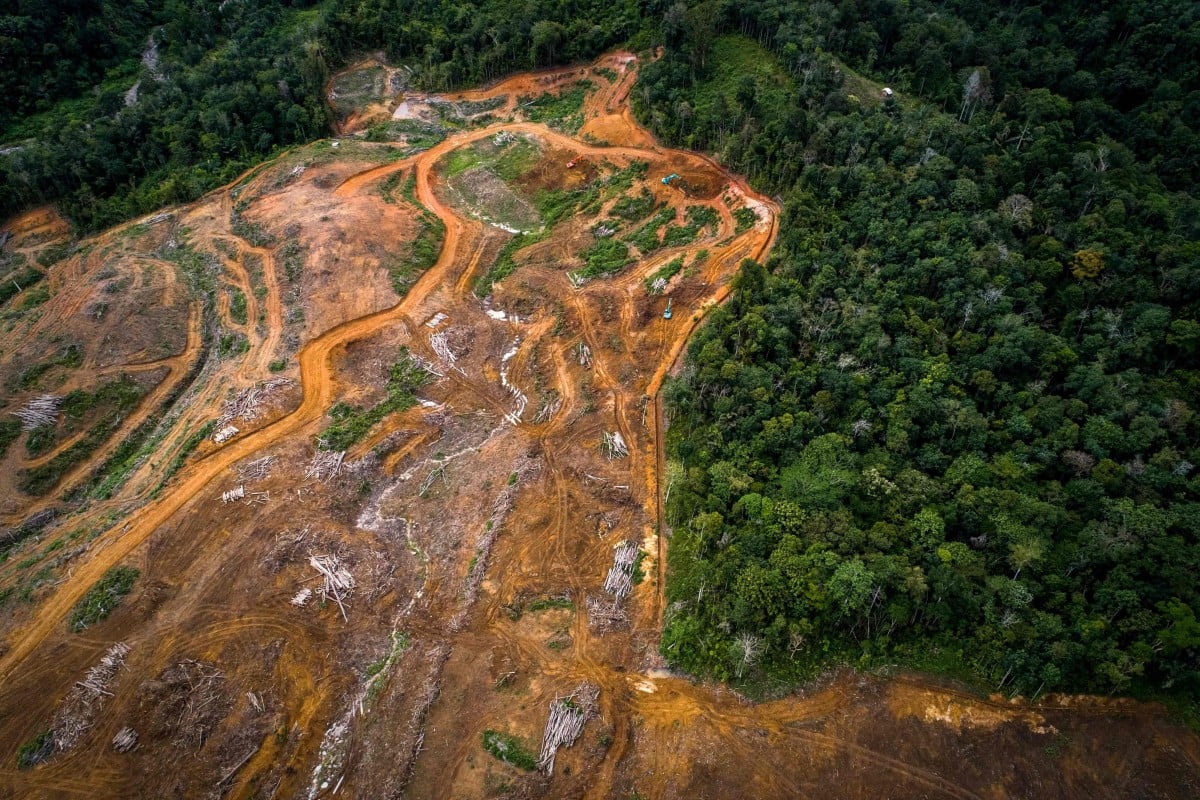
{"type": "Point", "coordinates": [345, 481]}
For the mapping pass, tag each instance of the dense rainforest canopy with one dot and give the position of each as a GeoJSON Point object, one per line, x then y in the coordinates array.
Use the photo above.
{"type": "Point", "coordinates": [951, 422]}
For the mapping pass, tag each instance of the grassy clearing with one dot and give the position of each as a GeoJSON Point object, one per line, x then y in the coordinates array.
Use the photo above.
{"type": "Point", "coordinates": [352, 423]}
{"type": "Point", "coordinates": [623, 179]}
{"type": "Point", "coordinates": [353, 90]}
{"type": "Point", "coordinates": [658, 281]}
{"type": "Point", "coordinates": [417, 134]}
{"type": "Point", "coordinates": [114, 401]}
{"type": "Point", "coordinates": [698, 218]}
{"type": "Point", "coordinates": [562, 111]}
{"type": "Point", "coordinates": [605, 257]}
{"type": "Point", "coordinates": [505, 264]}
{"type": "Point", "coordinates": [732, 59]}
{"type": "Point", "coordinates": [69, 357]}
{"type": "Point", "coordinates": [15, 284]}
{"type": "Point", "coordinates": [422, 253]}
{"type": "Point", "coordinates": [633, 208]}
{"type": "Point", "coordinates": [509, 749]}
{"type": "Point", "coordinates": [102, 598]}
{"type": "Point", "coordinates": [646, 238]}
{"type": "Point", "coordinates": [484, 178]}
{"type": "Point", "coordinates": [237, 305]}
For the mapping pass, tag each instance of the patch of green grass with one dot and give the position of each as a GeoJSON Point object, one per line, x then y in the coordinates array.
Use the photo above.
{"type": "Point", "coordinates": [632, 208]}
{"type": "Point", "coordinates": [417, 134]}
{"type": "Point", "coordinates": [115, 400]}
{"type": "Point", "coordinates": [351, 423]}
{"type": "Point", "coordinates": [646, 237]}
{"type": "Point", "coordinates": [102, 598]}
{"type": "Point", "coordinates": [55, 253]}
{"type": "Point", "coordinates": [461, 160]}
{"type": "Point", "coordinates": [554, 205]}
{"type": "Point", "coordinates": [232, 344]}
{"type": "Point", "coordinates": [509, 749]}
{"type": "Point", "coordinates": [623, 179]}
{"type": "Point", "coordinates": [69, 357]}
{"type": "Point", "coordinates": [278, 365]}
{"type": "Point", "coordinates": [36, 750]}
{"type": "Point", "coordinates": [547, 603]}
{"type": "Point", "coordinates": [422, 254]}
{"type": "Point", "coordinates": [744, 219]}
{"type": "Point", "coordinates": [237, 305]}
{"type": "Point", "coordinates": [189, 446]}
{"type": "Point", "coordinates": [38, 295]}
{"type": "Point", "coordinates": [698, 218]}
{"type": "Point", "coordinates": [10, 431]}
{"type": "Point", "coordinates": [16, 284]}
{"type": "Point", "coordinates": [505, 264]}
{"type": "Point", "coordinates": [605, 257]}
{"type": "Point", "coordinates": [40, 440]}
{"type": "Point", "coordinates": [353, 90]}
{"type": "Point", "coordinates": [563, 111]}
{"type": "Point", "coordinates": [516, 159]}
{"type": "Point", "coordinates": [663, 274]}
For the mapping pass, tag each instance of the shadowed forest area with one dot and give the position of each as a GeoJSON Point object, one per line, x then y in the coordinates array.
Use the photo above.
{"type": "Point", "coordinates": [950, 423]}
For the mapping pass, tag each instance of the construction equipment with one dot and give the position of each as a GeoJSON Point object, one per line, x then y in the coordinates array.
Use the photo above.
{"type": "Point", "coordinates": [674, 176]}
{"type": "Point", "coordinates": [667, 313]}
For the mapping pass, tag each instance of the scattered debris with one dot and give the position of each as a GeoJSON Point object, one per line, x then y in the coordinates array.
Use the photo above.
{"type": "Point", "coordinates": [604, 615]}
{"type": "Point", "coordinates": [75, 716]}
{"type": "Point", "coordinates": [523, 469]}
{"type": "Point", "coordinates": [436, 319]}
{"type": "Point", "coordinates": [338, 580]}
{"type": "Point", "coordinates": [521, 400]}
{"type": "Point", "coordinates": [233, 495]}
{"type": "Point", "coordinates": [568, 715]}
{"type": "Point", "coordinates": [225, 434]}
{"type": "Point", "coordinates": [39, 411]}
{"type": "Point", "coordinates": [125, 740]}
{"type": "Point", "coordinates": [584, 354]}
{"type": "Point", "coordinates": [550, 407]}
{"type": "Point", "coordinates": [301, 597]}
{"type": "Point", "coordinates": [248, 401]}
{"type": "Point", "coordinates": [256, 470]}
{"type": "Point", "coordinates": [619, 582]}
{"type": "Point", "coordinates": [325, 465]}
{"type": "Point", "coordinates": [612, 445]}
{"type": "Point", "coordinates": [257, 498]}
{"type": "Point", "coordinates": [205, 706]}
{"type": "Point", "coordinates": [441, 347]}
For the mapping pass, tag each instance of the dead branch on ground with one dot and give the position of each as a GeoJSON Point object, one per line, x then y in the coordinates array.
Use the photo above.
{"type": "Point", "coordinates": [75, 716]}
{"type": "Point", "coordinates": [567, 718]}
{"type": "Point", "coordinates": [39, 411]}
{"type": "Point", "coordinates": [619, 582]}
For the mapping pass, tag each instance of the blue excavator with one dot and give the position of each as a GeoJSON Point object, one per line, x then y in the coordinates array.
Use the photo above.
{"type": "Point", "coordinates": [667, 313]}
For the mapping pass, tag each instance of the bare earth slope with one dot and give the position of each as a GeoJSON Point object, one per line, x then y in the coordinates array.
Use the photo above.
{"type": "Point", "coordinates": [472, 533]}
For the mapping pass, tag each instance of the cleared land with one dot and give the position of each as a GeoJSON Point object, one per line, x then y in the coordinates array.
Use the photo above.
{"type": "Point", "coordinates": [399, 617]}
